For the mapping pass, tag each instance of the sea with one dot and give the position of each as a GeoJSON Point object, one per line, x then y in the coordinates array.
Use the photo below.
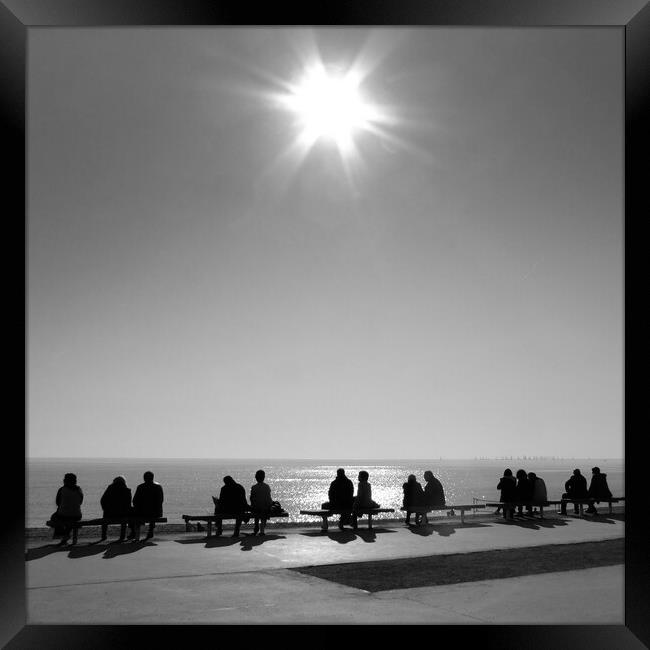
{"type": "Point", "coordinates": [189, 484]}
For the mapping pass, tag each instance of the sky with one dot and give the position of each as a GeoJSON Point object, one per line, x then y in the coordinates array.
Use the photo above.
{"type": "Point", "coordinates": [197, 289]}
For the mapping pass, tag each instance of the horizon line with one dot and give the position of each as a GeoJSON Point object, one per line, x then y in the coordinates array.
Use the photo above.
{"type": "Point", "coordinates": [250, 459]}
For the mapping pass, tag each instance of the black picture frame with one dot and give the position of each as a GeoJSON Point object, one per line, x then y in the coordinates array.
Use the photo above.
{"type": "Point", "coordinates": [632, 17]}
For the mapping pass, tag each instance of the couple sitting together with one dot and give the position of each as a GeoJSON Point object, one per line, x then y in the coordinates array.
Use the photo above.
{"type": "Point", "coordinates": [341, 497]}
{"type": "Point", "coordinates": [232, 501]}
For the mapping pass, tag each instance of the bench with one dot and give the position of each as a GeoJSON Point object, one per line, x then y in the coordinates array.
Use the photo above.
{"type": "Point", "coordinates": [136, 522]}
{"type": "Point", "coordinates": [361, 512]}
{"type": "Point", "coordinates": [217, 519]}
{"type": "Point", "coordinates": [531, 504]}
{"type": "Point", "coordinates": [451, 510]}
{"type": "Point", "coordinates": [582, 502]}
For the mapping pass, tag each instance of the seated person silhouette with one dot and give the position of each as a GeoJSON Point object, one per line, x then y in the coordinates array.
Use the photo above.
{"type": "Point", "coordinates": [147, 502]}
{"type": "Point", "coordinates": [341, 496]}
{"type": "Point", "coordinates": [413, 496]}
{"type": "Point", "coordinates": [69, 498]}
{"type": "Point", "coordinates": [363, 498]}
{"type": "Point", "coordinates": [539, 495]}
{"type": "Point", "coordinates": [576, 488]}
{"type": "Point", "coordinates": [524, 491]}
{"type": "Point", "coordinates": [261, 502]}
{"type": "Point", "coordinates": [508, 487]}
{"type": "Point", "coordinates": [116, 502]}
{"type": "Point", "coordinates": [434, 494]}
{"type": "Point", "coordinates": [598, 489]}
{"type": "Point", "coordinates": [232, 501]}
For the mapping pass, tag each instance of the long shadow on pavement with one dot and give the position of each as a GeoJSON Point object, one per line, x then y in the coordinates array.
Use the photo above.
{"type": "Point", "coordinates": [443, 530]}
{"type": "Point", "coordinates": [115, 550]}
{"type": "Point", "coordinates": [532, 524]}
{"type": "Point", "coordinates": [251, 541]}
{"type": "Point", "coordinates": [75, 552]}
{"type": "Point", "coordinates": [42, 551]}
{"type": "Point", "coordinates": [345, 536]}
{"type": "Point", "coordinates": [248, 542]}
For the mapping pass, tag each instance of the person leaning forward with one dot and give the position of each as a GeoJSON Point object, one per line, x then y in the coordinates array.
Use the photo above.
{"type": "Point", "coordinates": [341, 496]}
{"type": "Point", "coordinates": [232, 501]}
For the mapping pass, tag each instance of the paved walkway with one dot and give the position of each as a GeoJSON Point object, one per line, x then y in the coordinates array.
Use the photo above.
{"type": "Point", "coordinates": [188, 578]}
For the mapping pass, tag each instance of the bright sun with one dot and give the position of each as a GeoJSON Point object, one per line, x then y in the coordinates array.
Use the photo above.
{"type": "Point", "coordinates": [331, 107]}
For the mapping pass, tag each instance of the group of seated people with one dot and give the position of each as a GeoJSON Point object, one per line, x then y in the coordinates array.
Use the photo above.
{"type": "Point", "coordinates": [530, 489]}
{"type": "Point", "coordinates": [523, 490]}
{"type": "Point", "coordinates": [116, 503]}
{"type": "Point", "coordinates": [232, 501]}
{"type": "Point", "coordinates": [432, 496]}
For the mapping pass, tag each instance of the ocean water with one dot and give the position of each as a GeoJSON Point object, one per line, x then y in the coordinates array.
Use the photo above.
{"type": "Point", "coordinates": [189, 484]}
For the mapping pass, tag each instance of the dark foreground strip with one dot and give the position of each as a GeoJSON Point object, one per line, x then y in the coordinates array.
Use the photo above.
{"type": "Point", "coordinates": [470, 567]}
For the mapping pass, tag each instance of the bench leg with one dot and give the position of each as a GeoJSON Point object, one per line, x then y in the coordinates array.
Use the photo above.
{"type": "Point", "coordinates": [75, 532]}
{"type": "Point", "coordinates": [541, 512]}
{"type": "Point", "coordinates": [369, 521]}
{"type": "Point", "coordinates": [462, 516]}
{"type": "Point", "coordinates": [582, 509]}
{"type": "Point", "coordinates": [324, 525]}
{"type": "Point", "coordinates": [610, 508]}
{"type": "Point", "coordinates": [187, 525]}
{"type": "Point", "coordinates": [209, 528]}
{"type": "Point", "coordinates": [136, 532]}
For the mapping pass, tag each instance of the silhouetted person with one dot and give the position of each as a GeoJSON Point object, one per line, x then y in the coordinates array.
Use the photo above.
{"type": "Point", "coordinates": [434, 493]}
{"type": "Point", "coordinates": [363, 498]}
{"type": "Point", "coordinates": [539, 495]}
{"type": "Point", "coordinates": [576, 488]}
{"type": "Point", "coordinates": [260, 502]}
{"type": "Point", "coordinates": [524, 491]}
{"type": "Point", "coordinates": [116, 502]}
{"type": "Point", "coordinates": [147, 501]}
{"type": "Point", "coordinates": [413, 496]}
{"type": "Point", "coordinates": [340, 495]}
{"type": "Point", "coordinates": [598, 489]}
{"type": "Point", "coordinates": [508, 487]}
{"type": "Point", "coordinates": [69, 498]}
{"type": "Point", "coordinates": [232, 501]}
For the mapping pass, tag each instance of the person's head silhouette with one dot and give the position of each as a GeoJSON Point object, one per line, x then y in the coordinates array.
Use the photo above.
{"type": "Point", "coordinates": [532, 475]}
{"type": "Point", "coordinates": [412, 478]}
{"type": "Point", "coordinates": [521, 474]}
{"type": "Point", "coordinates": [363, 475]}
{"type": "Point", "coordinates": [70, 479]}
{"type": "Point", "coordinates": [120, 481]}
{"type": "Point", "coordinates": [595, 470]}
{"type": "Point", "coordinates": [260, 475]}
{"type": "Point", "coordinates": [228, 480]}
{"type": "Point", "coordinates": [507, 472]}
{"type": "Point", "coordinates": [576, 472]}
{"type": "Point", "coordinates": [428, 475]}
{"type": "Point", "coordinates": [340, 472]}
{"type": "Point", "coordinates": [148, 477]}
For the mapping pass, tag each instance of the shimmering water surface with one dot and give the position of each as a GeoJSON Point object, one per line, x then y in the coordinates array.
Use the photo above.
{"type": "Point", "coordinates": [298, 484]}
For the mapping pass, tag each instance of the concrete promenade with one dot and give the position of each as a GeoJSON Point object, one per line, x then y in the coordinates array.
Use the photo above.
{"type": "Point", "coordinates": [187, 578]}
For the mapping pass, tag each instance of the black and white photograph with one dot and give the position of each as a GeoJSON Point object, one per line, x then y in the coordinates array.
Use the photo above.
{"type": "Point", "coordinates": [325, 325]}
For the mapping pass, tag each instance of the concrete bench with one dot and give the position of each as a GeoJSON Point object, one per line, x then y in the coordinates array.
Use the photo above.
{"type": "Point", "coordinates": [451, 509]}
{"type": "Point", "coordinates": [134, 521]}
{"type": "Point", "coordinates": [216, 519]}
{"type": "Point", "coordinates": [516, 504]}
{"type": "Point", "coordinates": [583, 502]}
{"type": "Point", "coordinates": [361, 512]}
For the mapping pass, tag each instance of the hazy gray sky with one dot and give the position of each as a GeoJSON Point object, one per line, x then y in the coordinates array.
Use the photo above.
{"type": "Point", "coordinates": [193, 292]}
